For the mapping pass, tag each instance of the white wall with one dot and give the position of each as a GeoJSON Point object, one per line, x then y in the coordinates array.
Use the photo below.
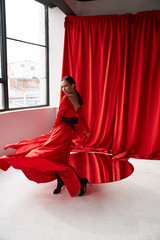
{"type": "Point", "coordinates": [26, 124]}
{"type": "Point", "coordinates": [56, 40]}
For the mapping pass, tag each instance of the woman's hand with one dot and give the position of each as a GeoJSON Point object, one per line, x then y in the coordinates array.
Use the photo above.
{"type": "Point", "coordinates": [87, 134]}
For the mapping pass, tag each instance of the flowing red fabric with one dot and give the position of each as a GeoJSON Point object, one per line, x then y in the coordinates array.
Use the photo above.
{"type": "Point", "coordinates": [115, 61]}
{"type": "Point", "coordinates": [39, 158]}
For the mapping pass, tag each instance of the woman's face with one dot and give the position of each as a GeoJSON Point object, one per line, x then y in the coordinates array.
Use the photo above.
{"type": "Point", "coordinates": [66, 87]}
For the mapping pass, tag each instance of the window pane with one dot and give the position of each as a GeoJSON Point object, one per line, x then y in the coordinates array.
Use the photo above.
{"type": "Point", "coordinates": [1, 97]}
{"type": "Point", "coordinates": [25, 20]}
{"type": "Point", "coordinates": [26, 74]}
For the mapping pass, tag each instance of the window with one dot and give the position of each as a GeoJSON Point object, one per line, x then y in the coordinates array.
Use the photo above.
{"type": "Point", "coordinates": [26, 56]}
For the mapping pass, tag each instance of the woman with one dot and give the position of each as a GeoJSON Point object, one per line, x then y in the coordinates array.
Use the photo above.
{"type": "Point", "coordinates": [45, 158]}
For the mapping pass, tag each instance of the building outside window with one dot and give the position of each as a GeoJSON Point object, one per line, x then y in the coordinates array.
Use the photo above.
{"type": "Point", "coordinates": [26, 54]}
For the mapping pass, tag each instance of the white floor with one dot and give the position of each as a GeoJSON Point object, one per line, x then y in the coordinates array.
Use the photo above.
{"type": "Point", "coordinates": [123, 210]}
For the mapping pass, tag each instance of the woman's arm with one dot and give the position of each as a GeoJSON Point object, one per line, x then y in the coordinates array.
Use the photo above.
{"type": "Point", "coordinates": [61, 111]}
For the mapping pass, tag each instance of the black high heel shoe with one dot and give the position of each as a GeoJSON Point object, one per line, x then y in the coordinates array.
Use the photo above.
{"type": "Point", "coordinates": [84, 182]}
{"type": "Point", "coordinates": [60, 184]}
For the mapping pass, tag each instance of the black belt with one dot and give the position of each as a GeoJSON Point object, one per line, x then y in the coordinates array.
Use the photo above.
{"type": "Point", "coordinates": [70, 121]}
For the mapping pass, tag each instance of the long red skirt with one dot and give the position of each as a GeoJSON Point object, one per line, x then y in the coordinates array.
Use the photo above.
{"type": "Point", "coordinates": [40, 157]}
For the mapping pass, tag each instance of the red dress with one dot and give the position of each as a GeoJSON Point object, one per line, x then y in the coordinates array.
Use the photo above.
{"type": "Point", "coordinates": [40, 157]}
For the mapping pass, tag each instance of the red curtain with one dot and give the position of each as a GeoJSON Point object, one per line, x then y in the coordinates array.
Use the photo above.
{"type": "Point", "coordinates": [115, 60]}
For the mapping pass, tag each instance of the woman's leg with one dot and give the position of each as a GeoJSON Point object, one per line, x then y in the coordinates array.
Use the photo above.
{"type": "Point", "coordinates": [72, 181]}
{"type": "Point", "coordinates": [60, 184]}
{"type": "Point", "coordinates": [84, 182]}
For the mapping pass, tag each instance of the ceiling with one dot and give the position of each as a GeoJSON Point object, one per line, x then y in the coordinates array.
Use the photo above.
{"type": "Point", "coordinates": [102, 7]}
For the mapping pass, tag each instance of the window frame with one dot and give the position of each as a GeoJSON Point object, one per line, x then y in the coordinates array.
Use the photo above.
{"type": "Point", "coordinates": [3, 80]}
{"type": "Point", "coordinates": [3, 46]}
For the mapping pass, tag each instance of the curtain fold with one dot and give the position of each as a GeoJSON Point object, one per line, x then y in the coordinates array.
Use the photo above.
{"type": "Point", "coordinates": [115, 60]}
{"type": "Point", "coordinates": [137, 125]}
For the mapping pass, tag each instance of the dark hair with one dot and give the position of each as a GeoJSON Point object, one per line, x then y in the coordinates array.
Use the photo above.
{"type": "Point", "coordinates": [71, 81]}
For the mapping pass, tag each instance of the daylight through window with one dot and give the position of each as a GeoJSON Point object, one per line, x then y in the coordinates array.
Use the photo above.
{"type": "Point", "coordinates": [27, 54]}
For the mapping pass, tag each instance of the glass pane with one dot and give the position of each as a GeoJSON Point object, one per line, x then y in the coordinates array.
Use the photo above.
{"type": "Point", "coordinates": [25, 20]}
{"type": "Point", "coordinates": [1, 97]}
{"type": "Point", "coordinates": [26, 74]}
